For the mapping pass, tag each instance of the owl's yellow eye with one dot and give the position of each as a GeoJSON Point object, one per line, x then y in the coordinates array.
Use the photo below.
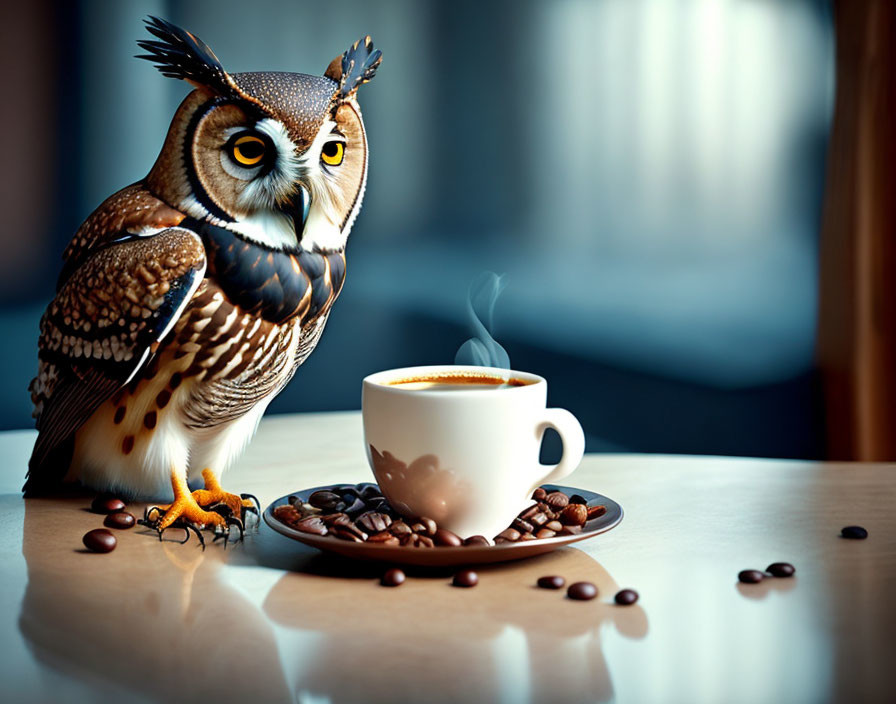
{"type": "Point", "coordinates": [248, 150]}
{"type": "Point", "coordinates": [333, 153]}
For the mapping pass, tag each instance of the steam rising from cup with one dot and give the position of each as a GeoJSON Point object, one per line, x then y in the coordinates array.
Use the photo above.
{"type": "Point", "coordinates": [482, 350]}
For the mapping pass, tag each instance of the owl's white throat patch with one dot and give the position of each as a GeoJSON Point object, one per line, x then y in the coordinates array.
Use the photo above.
{"type": "Point", "coordinates": [270, 228]}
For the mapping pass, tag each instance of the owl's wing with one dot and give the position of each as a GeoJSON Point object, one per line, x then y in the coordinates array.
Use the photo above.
{"type": "Point", "coordinates": [107, 320]}
{"type": "Point", "coordinates": [131, 211]}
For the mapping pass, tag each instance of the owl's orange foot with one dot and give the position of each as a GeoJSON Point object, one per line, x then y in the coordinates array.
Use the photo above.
{"type": "Point", "coordinates": [213, 497]}
{"type": "Point", "coordinates": [187, 513]}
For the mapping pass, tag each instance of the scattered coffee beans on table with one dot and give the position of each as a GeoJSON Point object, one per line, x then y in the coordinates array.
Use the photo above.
{"type": "Point", "coordinates": [465, 578]}
{"type": "Point", "coordinates": [551, 582]}
{"type": "Point", "coordinates": [854, 532]}
{"type": "Point", "coordinates": [626, 597]}
{"type": "Point", "coordinates": [100, 540]}
{"type": "Point", "coordinates": [107, 504]}
{"type": "Point", "coordinates": [750, 576]}
{"type": "Point", "coordinates": [120, 520]}
{"type": "Point", "coordinates": [581, 591]}
{"type": "Point", "coordinates": [393, 578]}
{"type": "Point", "coordinates": [781, 569]}
{"type": "Point", "coordinates": [360, 513]}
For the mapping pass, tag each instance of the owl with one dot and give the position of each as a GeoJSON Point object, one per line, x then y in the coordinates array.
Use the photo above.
{"type": "Point", "coordinates": [188, 300]}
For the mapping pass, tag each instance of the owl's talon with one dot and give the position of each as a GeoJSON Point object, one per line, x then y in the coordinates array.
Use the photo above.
{"type": "Point", "coordinates": [186, 526]}
{"type": "Point", "coordinates": [254, 500]}
{"type": "Point", "coordinates": [221, 509]}
{"type": "Point", "coordinates": [224, 531]}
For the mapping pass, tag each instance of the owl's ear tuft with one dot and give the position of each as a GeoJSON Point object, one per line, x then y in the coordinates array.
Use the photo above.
{"type": "Point", "coordinates": [180, 54]}
{"type": "Point", "coordinates": [355, 67]}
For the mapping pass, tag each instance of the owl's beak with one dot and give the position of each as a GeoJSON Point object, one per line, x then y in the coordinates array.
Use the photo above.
{"type": "Point", "coordinates": [297, 208]}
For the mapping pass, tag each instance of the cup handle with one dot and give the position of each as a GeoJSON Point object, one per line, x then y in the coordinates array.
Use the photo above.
{"type": "Point", "coordinates": [572, 436]}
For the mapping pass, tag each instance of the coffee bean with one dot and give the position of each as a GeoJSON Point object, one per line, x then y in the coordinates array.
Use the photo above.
{"type": "Point", "coordinates": [446, 538]}
{"type": "Point", "coordinates": [596, 511]}
{"type": "Point", "coordinates": [379, 503]}
{"type": "Point", "coordinates": [577, 499]}
{"type": "Point", "coordinates": [418, 527]}
{"type": "Point", "coordinates": [289, 515]}
{"type": "Point", "coordinates": [416, 540]}
{"type": "Point", "coordinates": [429, 525]}
{"type": "Point", "coordinates": [545, 533]}
{"type": "Point", "coordinates": [551, 582]}
{"type": "Point", "coordinates": [355, 508]}
{"type": "Point", "coordinates": [750, 576]}
{"type": "Point", "coordinates": [476, 540]}
{"type": "Point", "coordinates": [120, 520]}
{"type": "Point", "coordinates": [311, 524]}
{"type": "Point", "coordinates": [392, 578]}
{"type": "Point", "coordinates": [104, 503]}
{"type": "Point", "coordinates": [539, 519]}
{"type": "Point", "coordinates": [293, 500]}
{"type": "Point", "coordinates": [581, 591]}
{"type": "Point", "coordinates": [349, 533]}
{"type": "Point", "coordinates": [384, 538]}
{"type": "Point", "coordinates": [854, 533]}
{"type": "Point", "coordinates": [527, 513]}
{"type": "Point", "coordinates": [521, 525]}
{"type": "Point", "coordinates": [511, 534]}
{"type": "Point", "coordinates": [466, 578]}
{"type": "Point", "coordinates": [626, 597]}
{"type": "Point", "coordinates": [781, 569]}
{"type": "Point", "coordinates": [526, 536]}
{"type": "Point", "coordinates": [373, 522]}
{"type": "Point", "coordinates": [539, 494]}
{"type": "Point", "coordinates": [100, 540]}
{"type": "Point", "coordinates": [369, 491]}
{"type": "Point", "coordinates": [553, 525]}
{"type": "Point", "coordinates": [570, 530]}
{"type": "Point", "coordinates": [399, 528]}
{"type": "Point", "coordinates": [556, 500]}
{"type": "Point", "coordinates": [336, 519]}
{"type": "Point", "coordinates": [574, 515]}
{"type": "Point", "coordinates": [343, 489]}
{"type": "Point", "coordinates": [326, 500]}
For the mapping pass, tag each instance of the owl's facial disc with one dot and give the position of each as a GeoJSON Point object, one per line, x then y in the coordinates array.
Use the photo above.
{"type": "Point", "coordinates": [258, 176]}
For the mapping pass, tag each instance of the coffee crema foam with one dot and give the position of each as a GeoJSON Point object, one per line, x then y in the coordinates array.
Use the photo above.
{"type": "Point", "coordinates": [457, 382]}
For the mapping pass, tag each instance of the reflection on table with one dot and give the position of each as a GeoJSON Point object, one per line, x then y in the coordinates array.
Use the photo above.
{"type": "Point", "coordinates": [170, 620]}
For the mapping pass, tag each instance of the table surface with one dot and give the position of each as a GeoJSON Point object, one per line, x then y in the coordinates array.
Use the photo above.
{"type": "Point", "coordinates": [272, 620]}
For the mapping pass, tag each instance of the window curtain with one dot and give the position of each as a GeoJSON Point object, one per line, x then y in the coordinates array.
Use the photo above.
{"type": "Point", "coordinates": [857, 314]}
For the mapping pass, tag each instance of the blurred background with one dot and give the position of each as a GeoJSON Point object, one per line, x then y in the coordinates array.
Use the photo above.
{"type": "Point", "coordinates": [648, 175]}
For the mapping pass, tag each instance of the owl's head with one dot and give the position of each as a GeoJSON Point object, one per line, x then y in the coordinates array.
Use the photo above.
{"type": "Point", "coordinates": [278, 158]}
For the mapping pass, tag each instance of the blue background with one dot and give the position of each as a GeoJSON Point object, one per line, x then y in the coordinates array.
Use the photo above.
{"type": "Point", "coordinates": [647, 175]}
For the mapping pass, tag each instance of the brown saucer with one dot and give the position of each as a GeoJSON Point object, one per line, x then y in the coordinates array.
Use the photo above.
{"type": "Point", "coordinates": [444, 556]}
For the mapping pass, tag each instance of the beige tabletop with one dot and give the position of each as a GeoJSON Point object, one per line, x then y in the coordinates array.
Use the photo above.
{"type": "Point", "coordinates": [270, 620]}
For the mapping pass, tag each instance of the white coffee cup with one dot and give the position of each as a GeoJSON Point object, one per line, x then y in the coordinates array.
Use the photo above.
{"type": "Point", "coordinates": [467, 457]}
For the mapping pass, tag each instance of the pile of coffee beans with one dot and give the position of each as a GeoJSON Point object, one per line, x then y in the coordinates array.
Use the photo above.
{"type": "Point", "coordinates": [360, 513]}
{"type": "Point", "coordinates": [554, 513]}
{"type": "Point", "coordinates": [100, 539]}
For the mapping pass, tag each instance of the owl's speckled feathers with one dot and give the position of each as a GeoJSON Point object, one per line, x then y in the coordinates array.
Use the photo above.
{"type": "Point", "coordinates": [187, 300]}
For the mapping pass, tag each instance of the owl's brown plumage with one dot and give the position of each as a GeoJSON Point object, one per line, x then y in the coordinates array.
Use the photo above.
{"type": "Point", "coordinates": [188, 300]}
